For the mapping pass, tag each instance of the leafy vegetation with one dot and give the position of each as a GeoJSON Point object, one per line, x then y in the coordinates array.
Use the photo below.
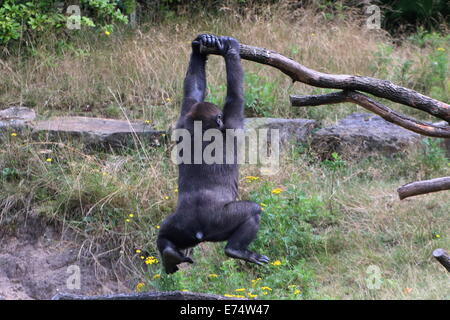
{"type": "Point", "coordinates": [26, 20]}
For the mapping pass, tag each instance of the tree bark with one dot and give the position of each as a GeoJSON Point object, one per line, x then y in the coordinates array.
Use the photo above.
{"type": "Point", "coordinates": [422, 187]}
{"type": "Point", "coordinates": [442, 257]}
{"type": "Point", "coordinates": [380, 88]}
{"type": "Point", "coordinates": [385, 112]}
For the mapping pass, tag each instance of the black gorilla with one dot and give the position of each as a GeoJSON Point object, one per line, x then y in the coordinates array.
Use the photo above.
{"type": "Point", "coordinates": [207, 209]}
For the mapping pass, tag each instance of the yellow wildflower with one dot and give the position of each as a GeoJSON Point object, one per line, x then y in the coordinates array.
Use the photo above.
{"type": "Point", "coordinates": [255, 281]}
{"type": "Point", "coordinates": [131, 215]}
{"type": "Point", "coordinates": [107, 33]}
{"type": "Point", "coordinates": [277, 191]}
{"type": "Point", "coordinates": [297, 291]}
{"type": "Point", "coordinates": [49, 160]}
{"type": "Point", "coordinates": [440, 49]}
{"type": "Point", "coordinates": [138, 251]}
{"type": "Point", "coordinates": [251, 178]}
{"type": "Point", "coordinates": [151, 260]}
{"type": "Point", "coordinates": [240, 289]}
{"type": "Point", "coordinates": [168, 100]}
{"type": "Point", "coordinates": [212, 275]}
{"type": "Point", "coordinates": [147, 121]}
{"type": "Point", "coordinates": [127, 220]}
{"type": "Point", "coordinates": [157, 227]}
{"type": "Point", "coordinates": [13, 134]}
{"type": "Point", "coordinates": [139, 286]}
{"type": "Point", "coordinates": [176, 190]}
{"type": "Point", "coordinates": [142, 257]}
{"type": "Point", "coordinates": [252, 295]}
{"type": "Point", "coordinates": [167, 197]}
{"type": "Point", "coordinates": [438, 236]}
{"type": "Point", "coordinates": [157, 276]}
{"type": "Point", "coordinates": [276, 263]}
{"type": "Point", "coordinates": [266, 288]}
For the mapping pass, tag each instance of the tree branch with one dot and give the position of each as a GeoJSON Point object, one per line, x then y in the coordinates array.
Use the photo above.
{"type": "Point", "coordinates": [442, 257]}
{"type": "Point", "coordinates": [380, 88]}
{"type": "Point", "coordinates": [385, 112]}
{"type": "Point", "coordinates": [423, 187]}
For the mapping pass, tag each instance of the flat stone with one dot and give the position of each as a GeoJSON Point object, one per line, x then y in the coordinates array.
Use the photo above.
{"type": "Point", "coordinates": [16, 117]}
{"type": "Point", "coordinates": [364, 134]}
{"type": "Point", "coordinates": [152, 295]}
{"type": "Point", "coordinates": [97, 131]}
{"type": "Point", "coordinates": [290, 130]}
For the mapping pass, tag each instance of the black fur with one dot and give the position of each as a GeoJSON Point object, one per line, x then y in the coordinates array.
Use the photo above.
{"type": "Point", "coordinates": [207, 209]}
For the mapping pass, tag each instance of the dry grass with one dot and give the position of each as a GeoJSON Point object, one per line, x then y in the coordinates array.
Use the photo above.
{"type": "Point", "coordinates": [144, 68]}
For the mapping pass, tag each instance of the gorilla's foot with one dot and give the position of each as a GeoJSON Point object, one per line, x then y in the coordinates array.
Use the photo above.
{"type": "Point", "coordinates": [171, 258]}
{"type": "Point", "coordinates": [247, 255]}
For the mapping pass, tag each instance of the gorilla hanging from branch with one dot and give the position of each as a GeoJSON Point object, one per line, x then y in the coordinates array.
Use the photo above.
{"type": "Point", "coordinates": [207, 209]}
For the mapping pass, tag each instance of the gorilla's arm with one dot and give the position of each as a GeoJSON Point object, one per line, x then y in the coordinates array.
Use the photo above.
{"type": "Point", "coordinates": [233, 111]}
{"type": "Point", "coordinates": [194, 82]}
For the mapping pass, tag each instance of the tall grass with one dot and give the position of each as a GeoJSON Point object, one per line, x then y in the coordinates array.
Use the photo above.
{"type": "Point", "coordinates": [144, 68]}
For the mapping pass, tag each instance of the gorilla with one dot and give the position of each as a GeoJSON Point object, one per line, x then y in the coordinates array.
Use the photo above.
{"type": "Point", "coordinates": [207, 209]}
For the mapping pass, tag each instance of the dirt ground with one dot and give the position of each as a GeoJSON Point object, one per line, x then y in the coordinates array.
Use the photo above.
{"type": "Point", "coordinates": [37, 263]}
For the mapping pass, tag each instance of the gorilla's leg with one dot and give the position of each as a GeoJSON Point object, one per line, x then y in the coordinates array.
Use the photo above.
{"type": "Point", "coordinates": [171, 256]}
{"type": "Point", "coordinates": [243, 218]}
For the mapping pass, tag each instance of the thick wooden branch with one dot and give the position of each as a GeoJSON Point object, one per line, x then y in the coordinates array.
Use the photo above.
{"type": "Point", "coordinates": [442, 257]}
{"type": "Point", "coordinates": [385, 112]}
{"type": "Point", "coordinates": [380, 88]}
{"type": "Point", "coordinates": [423, 187]}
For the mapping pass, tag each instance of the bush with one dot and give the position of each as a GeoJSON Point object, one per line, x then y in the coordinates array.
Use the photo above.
{"type": "Point", "coordinates": [28, 19]}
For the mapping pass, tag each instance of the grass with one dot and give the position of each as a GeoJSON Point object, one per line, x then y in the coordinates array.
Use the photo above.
{"type": "Point", "coordinates": [335, 226]}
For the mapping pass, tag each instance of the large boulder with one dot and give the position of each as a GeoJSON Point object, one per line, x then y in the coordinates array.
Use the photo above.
{"type": "Point", "coordinates": [97, 131]}
{"type": "Point", "coordinates": [16, 117]}
{"type": "Point", "coordinates": [290, 130]}
{"type": "Point", "coordinates": [363, 134]}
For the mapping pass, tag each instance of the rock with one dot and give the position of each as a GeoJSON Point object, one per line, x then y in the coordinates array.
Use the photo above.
{"type": "Point", "coordinates": [445, 143]}
{"type": "Point", "coordinates": [16, 117]}
{"type": "Point", "coordinates": [290, 130]}
{"type": "Point", "coordinates": [12, 267]}
{"type": "Point", "coordinates": [363, 134]}
{"type": "Point", "coordinates": [171, 295]}
{"type": "Point", "coordinates": [97, 131]}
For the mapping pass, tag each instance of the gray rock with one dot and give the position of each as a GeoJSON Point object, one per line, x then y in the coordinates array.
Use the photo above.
{"type": "Point", "coordinates": [12, 267]}
{"type": "Point", "coordinates": [363, 134]}
{"type": "Point", "coordinates": [97, 131]}
{"type": "Point", "coordinates": [290, 130]}
{"type": "Point", "coordinates": [170, 295]}
{"type": "Point", "coordinates": [16, 117]}
{"type": "Point", "coordinates": [444, 142]}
